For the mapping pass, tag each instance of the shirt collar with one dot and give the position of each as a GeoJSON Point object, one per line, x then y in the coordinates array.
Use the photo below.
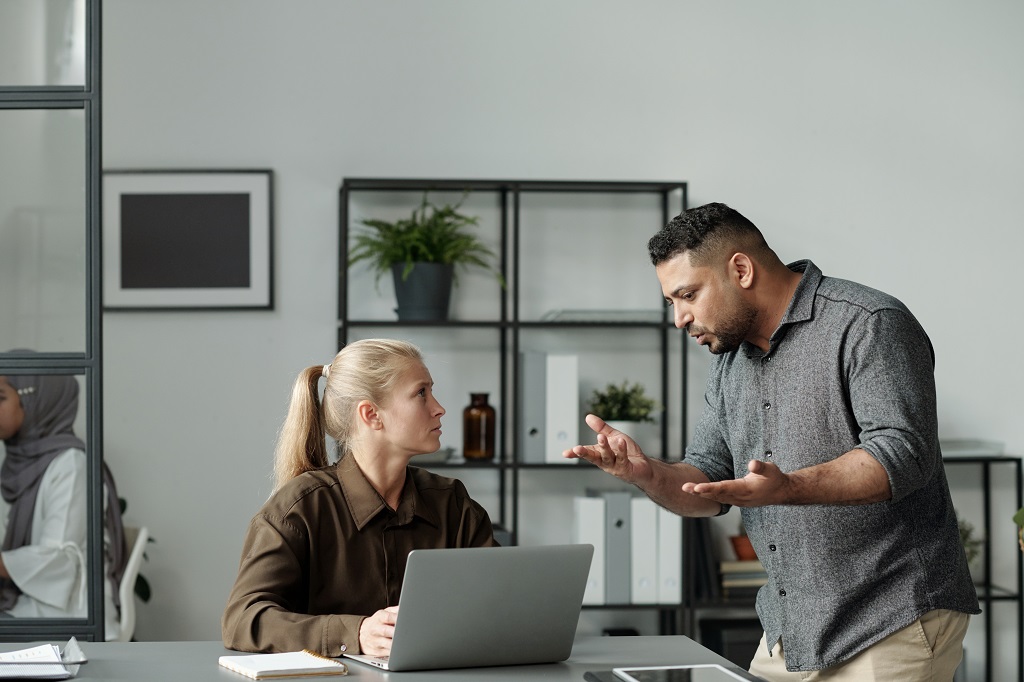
{"type": "Point", "coordinates": [801, 306]}
{"type": "Point", "coordinates": [365, 503]}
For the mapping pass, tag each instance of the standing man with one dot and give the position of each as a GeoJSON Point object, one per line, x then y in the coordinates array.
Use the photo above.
{"type": "Point", "coordinates": [820, 422]}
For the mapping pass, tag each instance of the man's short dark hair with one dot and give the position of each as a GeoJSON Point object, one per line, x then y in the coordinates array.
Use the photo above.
{"type": "Point", "coordinates": [705, 232]}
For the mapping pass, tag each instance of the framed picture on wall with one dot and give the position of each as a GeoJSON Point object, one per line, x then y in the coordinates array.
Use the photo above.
{"type": "Point", "coordinates": [187, 239]}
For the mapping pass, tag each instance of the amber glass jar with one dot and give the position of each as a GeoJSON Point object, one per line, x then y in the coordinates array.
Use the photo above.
{"type": "Point", "coordinates": [478, 428]}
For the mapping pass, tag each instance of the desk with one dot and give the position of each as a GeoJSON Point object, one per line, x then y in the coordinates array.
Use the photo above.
{"type": "Point", "coordinates": [197, 661]}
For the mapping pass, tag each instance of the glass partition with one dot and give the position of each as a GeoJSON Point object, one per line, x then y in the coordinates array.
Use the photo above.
{"type": "Point", "coordinates": [42, 229]}
{"type": "Point", "coordinates": [43, 422]}
{"type": "Point", "coordinates": [42, 43]}
{"type": "Point", "coordinates": [49, 303]}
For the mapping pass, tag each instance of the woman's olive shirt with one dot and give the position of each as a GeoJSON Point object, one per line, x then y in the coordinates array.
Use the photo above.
{"type": "Point", "coordinates": [325, 552]}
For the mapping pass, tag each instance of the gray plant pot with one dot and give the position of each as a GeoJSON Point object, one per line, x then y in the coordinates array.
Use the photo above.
{"type": "Point", "coordinates": [425, 293]}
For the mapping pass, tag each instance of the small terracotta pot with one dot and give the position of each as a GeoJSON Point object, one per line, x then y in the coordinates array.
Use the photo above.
{"type": "Point", "coordinates": [744, 550]}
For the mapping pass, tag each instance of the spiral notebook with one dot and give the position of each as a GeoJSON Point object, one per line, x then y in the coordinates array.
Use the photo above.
{"type": "Point", "coordinates": [43, 662]}
{"type": "Point", "coordinates": [289, 664]}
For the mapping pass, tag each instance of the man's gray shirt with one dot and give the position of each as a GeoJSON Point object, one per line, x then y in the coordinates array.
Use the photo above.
{"type": "Point", "coordinates": [848, 367]}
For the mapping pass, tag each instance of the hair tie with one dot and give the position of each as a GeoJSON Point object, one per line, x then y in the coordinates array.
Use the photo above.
{"type": "Point", "coordinates": [326, 371]}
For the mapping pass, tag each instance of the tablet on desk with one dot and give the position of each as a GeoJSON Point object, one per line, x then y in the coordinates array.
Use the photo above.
{"type": "Point", "coordinates": [679, 673]}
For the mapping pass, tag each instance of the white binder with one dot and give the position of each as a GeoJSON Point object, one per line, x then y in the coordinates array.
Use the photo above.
{"type": "Point", "coordinates": [670, 557]}
{"type": "Point", "coordinates": [644, 554]}
{"type": "Point", "coordinates": [588, 528]}
{"type": "Point", "coordinates": [549, 405]}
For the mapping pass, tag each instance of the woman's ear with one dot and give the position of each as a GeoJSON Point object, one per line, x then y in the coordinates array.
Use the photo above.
{"type": "Point", "coordinates": [369, 415]}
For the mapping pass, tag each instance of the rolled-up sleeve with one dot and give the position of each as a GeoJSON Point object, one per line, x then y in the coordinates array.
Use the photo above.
{"type": "Point", "coordinates": [892, 391]}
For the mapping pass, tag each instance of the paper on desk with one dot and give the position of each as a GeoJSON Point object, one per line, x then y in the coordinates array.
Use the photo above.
{"type": "Point", "coordinates": [43, 662]}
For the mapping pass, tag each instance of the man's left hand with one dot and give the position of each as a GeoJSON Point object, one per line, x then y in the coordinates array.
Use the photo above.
{"type": "Point", "coordinates": [764, 484]}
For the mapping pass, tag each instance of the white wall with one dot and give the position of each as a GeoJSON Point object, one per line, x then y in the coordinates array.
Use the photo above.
{"type": "Point", "coordinates": [880, 139]}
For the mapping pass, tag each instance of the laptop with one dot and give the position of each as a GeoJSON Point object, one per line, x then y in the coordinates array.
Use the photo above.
{"type": "Point", "coordinates": [486, 606]}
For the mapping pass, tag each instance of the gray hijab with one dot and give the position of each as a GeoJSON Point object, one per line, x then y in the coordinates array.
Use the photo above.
{"type": "Point", "coordinates": [50, 403]}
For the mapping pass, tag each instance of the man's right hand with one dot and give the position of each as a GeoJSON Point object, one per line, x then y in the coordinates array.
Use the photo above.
{"type": "Point", "coordinates": [614, 453]}
{"type": "Point", "coordinates": [377, 631]}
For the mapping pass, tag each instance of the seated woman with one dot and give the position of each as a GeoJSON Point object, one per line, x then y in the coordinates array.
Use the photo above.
{"type": "Point", "coordinates": [323, 560]}
{"type": "Point", "coordinates": [43, 480]}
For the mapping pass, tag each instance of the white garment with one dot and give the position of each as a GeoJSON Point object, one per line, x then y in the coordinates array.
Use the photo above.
{"type": "Point", "coordinates": [50, 571]}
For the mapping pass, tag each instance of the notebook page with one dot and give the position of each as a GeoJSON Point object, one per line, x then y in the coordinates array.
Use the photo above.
{"type": "Point", "coordinates": [293, 663]}
{"type": "Point", "coordinates": [45, 653]}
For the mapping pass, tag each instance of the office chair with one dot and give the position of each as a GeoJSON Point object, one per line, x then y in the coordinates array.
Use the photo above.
{"type": "Point", "coordinates": [136, 538]}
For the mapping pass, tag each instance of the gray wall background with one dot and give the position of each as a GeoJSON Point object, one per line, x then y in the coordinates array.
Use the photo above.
{"type": "Point", "coordinates": [880, 139]}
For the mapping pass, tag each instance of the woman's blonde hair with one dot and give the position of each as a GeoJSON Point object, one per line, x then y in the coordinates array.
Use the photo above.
{"type": "Point", "coordinates": [362, 370]}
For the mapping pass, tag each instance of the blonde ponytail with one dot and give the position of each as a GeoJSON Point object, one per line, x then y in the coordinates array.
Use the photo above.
{"type": "Point", "coordinates": [300, 445]}
{"type": "Point", "coordinates": [362, 370]}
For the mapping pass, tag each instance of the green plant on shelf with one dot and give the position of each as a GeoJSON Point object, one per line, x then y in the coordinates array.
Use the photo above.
{"type": "Point", "coordinates": [623, 402]}
{"type": "Point", "coordinates": [972, 545]}
{"type": "Point", "coordinates": [431, 234]}
{"type": "Point", "coordinates": [1018, 518]}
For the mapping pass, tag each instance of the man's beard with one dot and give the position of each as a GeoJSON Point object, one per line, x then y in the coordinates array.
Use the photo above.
{"type": "Point", "coordinates": [731, 331]}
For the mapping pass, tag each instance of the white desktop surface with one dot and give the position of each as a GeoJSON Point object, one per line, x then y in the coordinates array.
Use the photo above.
{"type": "Point", "coordinates": [197, 661]}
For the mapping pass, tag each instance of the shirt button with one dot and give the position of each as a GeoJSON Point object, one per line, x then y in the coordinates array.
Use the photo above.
{"type": "Point", "coordinates": [782, 593]}
{"type": "Point", "coordinates": [344, 647]}
{"type": "Point", "coordinates": [771, 547]}
{"type": "Point", "coordinates": [767, 453]}
{"type": "Point", "coordinates": [767, 406]}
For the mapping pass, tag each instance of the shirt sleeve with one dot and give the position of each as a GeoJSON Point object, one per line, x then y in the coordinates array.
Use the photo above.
{"type": "Point", "coordinates": [709, 450]}
{"type": "Point", "coordinates": [890, 370]}
{"type": "Point", "coordinates": [50, 569]}
{"type": "Point", "coordinates": [263, 610]}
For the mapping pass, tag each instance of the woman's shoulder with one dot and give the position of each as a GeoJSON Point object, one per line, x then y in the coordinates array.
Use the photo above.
{"type": "Point", "coordinates": [427, 481]}
{"type": "Point", "coordinates": [70, 462]}
{"type": "Point", "coordinates": [303, 488]}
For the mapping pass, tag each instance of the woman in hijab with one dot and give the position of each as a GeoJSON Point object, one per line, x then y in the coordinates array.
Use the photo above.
{"type": "Point", "coordinates": [43, 485]}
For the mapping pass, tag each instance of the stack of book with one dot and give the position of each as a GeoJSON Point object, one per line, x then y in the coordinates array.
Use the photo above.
{"type": "Point", "coordinates": [742, 579]}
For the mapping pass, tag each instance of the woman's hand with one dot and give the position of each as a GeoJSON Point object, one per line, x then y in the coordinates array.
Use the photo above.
{"type": "Point", "coordinates": [377, 631]}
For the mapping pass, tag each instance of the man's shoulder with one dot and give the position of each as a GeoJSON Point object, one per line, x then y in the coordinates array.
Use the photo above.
{"type": "Point", "coordinates": [857, 296]}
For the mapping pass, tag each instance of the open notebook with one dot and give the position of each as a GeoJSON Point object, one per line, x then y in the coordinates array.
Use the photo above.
{"type": "Point", "coordinates": [487, 606]}
{"type": "Point", "coordinates": [288, 664]}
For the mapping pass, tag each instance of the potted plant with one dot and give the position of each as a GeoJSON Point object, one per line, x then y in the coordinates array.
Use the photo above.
{"type": "Point", "coordinates": [972, 545]}
{"type": "Point", "coordinates": [422, 252]}
{"type": "Point", "coordinates": [1018, 518]}
{"type": "Point", "coordinates": [626, 408]}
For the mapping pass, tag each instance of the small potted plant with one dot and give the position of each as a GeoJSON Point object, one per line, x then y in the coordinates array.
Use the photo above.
{"type": "Point", "coordinates": [422, 252]}
{"type": "Point", "coordinates": [626, 408]}
{"type": "Point", "coordinates": [972, 544]}
{"type": "Point", "coordinates": [1018, 518]}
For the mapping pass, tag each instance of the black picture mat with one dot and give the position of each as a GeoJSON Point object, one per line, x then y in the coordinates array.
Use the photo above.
{"type": "Point", "coordinates": [185, 240]}
{"type": "Point", "coordinates": [195, 239]}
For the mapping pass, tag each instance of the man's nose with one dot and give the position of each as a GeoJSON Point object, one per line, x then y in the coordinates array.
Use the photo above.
{"type": "Point", "coordinates": [682, 317]}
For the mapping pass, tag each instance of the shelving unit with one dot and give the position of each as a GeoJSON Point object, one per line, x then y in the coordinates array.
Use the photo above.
{"type": "Point", "coordinates": [989, 592]}
{"type": "Point", "coordinates": [717, 615]}
{"type": "Point", "coordinates": [539, 229]}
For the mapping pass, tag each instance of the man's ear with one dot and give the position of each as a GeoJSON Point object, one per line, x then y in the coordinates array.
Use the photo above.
{"type": "Point", "coordinates": [368, 414]}
{"type": "Point", "coordinates": [741, 270]}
